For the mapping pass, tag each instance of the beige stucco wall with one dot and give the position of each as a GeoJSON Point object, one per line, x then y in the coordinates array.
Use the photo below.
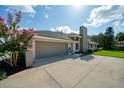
{"type": "Point", "coordinates": [29, 58]}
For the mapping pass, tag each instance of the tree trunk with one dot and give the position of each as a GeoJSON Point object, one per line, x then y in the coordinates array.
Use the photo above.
{"type": "Point", "coordinates": [13, 59]}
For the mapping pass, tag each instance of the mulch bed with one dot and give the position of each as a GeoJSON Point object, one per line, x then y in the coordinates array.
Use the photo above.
{"type": "Point", "coordinates": [11, 70]}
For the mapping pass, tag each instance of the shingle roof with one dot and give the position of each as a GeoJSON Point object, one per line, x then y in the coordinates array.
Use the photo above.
{"type": "Point", "coordinates": [52, 34]}
{"type": "Point", "coordinates": [91, 42]}
{"type": "Point", "coordinates": [74, 35]}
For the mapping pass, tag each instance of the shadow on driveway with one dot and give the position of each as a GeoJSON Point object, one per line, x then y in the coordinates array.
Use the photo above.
{"type": "Point", "coordinates": [45, 61]}
{"type": "Point", "coordinates": [87, 57]}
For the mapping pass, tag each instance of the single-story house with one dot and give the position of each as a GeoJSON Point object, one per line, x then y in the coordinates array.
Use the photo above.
{"type": "Point", "coordinates": [49, 44]}
{"type": "Point", "coordinates": [120, 44]}
{"type": "Point", "coordinates": [92, 45]}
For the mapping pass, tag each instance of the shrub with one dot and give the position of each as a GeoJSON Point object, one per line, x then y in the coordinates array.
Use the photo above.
{"type": "Point", "coordinates": [13, 40]}
{"type": "Point", "coordinates": [3, 75]}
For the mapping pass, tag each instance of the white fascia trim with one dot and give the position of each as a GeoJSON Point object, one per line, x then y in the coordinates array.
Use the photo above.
{"type": "Point", "coordinates": [49, 39]}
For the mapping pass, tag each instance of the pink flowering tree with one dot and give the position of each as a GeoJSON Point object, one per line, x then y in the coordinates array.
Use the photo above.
{"type": "Point", "coordinates": [12, 39]}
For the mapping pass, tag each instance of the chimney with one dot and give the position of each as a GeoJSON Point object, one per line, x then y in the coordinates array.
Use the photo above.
{"type": "Point", "coordinates": [61, 31]}
{"type": "Point", "coordinates": [83, 40]}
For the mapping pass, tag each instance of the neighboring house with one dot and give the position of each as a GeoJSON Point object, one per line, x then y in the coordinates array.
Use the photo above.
{"type": "Point", "coordinates": [92, 45]}
{"type": "Point", "coordinates": [49, 44]}
{"type": "Point", "coordinates": [120, 44]}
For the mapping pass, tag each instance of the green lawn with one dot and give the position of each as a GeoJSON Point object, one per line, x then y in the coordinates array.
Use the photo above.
{"type": "Point", "coordinates": [1, 54]}
{"type": "Point", "coordinates": [111, 53]}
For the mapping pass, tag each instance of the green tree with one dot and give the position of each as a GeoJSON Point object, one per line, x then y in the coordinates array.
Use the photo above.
{"type": "Point", "coordinates": [120, 36]}
{"type": "Point", "coordinates": [108, 42]}
{"type": "Point", "coordinates": [94, 38]}
{"type": "Point", "coordinates": [98, 38]}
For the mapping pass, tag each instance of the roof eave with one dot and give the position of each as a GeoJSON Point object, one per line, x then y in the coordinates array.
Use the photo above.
{"type": "Point", "coordinates": [49, 39]}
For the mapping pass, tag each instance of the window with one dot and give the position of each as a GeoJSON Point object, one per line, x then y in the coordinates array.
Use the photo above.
{"type": "Point", "coordinates": [77, 46]}
{"type": "Point", "coordinates": [91, 45]}
{"type": "Point", "coordinates": [95, 45]}
{"type": "Point", "coordinates": [77, 39]}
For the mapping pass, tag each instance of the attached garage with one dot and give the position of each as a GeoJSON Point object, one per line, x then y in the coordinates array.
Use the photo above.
{"type": "Point", "coordinates": [50, 49]}
{"type": "Point", "coordinates": [45, 47]}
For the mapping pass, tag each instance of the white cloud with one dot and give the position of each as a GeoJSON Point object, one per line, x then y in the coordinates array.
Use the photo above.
{"type": "Point", "coordinates": [52, 29]}
{"type": "Point", "coordinates": [64, 29]}
{"type": "Point", "coordinates": [24, 8]}
{"type": "Point", "coordinates": [105, 14]}
{"type": "Point", "coordinates": [46, 15]}
{"type": "Point", "coordinates": [47, 7]}
{"type": "Point", "coordinates": [118, 25]}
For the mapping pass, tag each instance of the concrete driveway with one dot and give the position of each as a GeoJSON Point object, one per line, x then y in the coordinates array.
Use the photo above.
{"type": "Point", "coordinates": [70, 71]}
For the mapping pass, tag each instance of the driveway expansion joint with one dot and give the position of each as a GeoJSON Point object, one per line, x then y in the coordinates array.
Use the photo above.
{"type": "Point", "coordinates": [52, 77]}
{"type": "Point", "coordinates": [86, 74]}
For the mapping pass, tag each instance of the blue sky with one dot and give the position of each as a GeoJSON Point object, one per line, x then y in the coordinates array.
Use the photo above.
{"type": "Point", "coordinates": [69, 18]}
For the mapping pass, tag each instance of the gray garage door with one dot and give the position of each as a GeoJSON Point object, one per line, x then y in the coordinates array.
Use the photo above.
{"type": "Point", "coordinates": [50, 49]}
